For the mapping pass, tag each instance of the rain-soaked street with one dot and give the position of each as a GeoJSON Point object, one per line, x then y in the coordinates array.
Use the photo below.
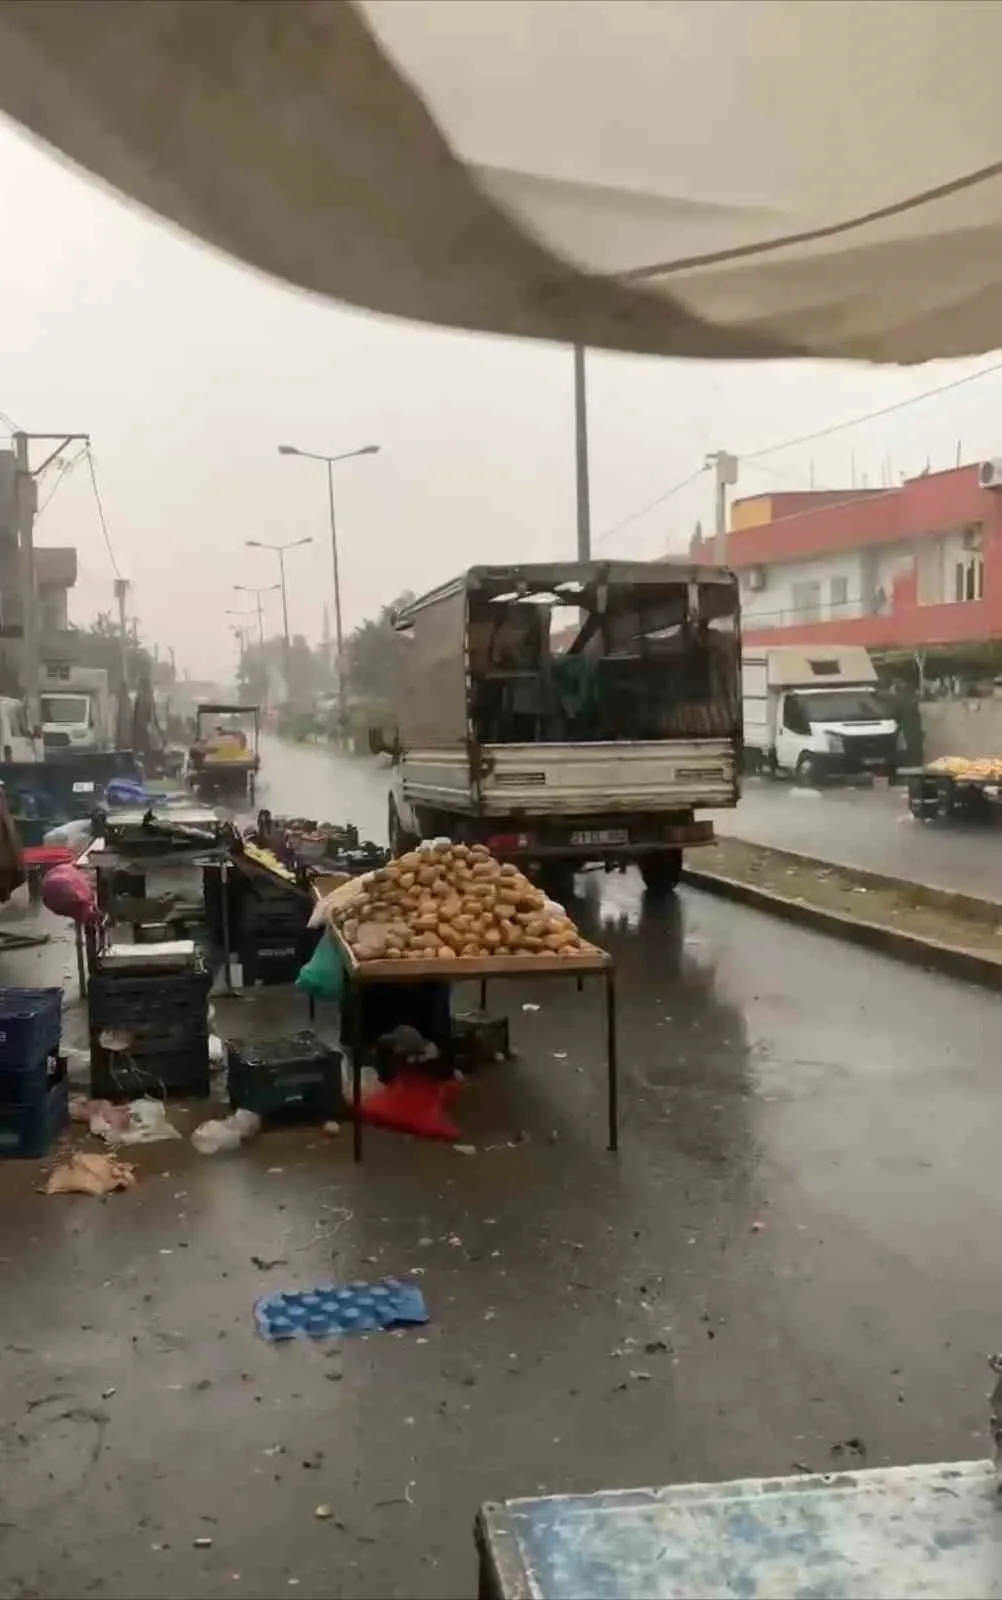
{"type": "Point", "coordinates": [796, 1247]}
{"type": "Point", "coordinates": [872, 829]}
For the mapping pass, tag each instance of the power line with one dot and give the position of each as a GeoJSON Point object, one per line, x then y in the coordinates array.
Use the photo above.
{"type": "Point", "coordinates": [871, 416]}
{"type": "Point", "coordinates": [652, 505]}
{"type": "Point", "coordinates": [63, 469]}
{"type": "Point", "coordinates": [809, 438]}
{"type": "Point", "coordinates": [100, 511]}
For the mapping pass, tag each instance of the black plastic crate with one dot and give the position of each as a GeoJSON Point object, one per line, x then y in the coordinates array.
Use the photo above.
{"type": "Point", "coordinates": [293, 1078]}
{"type": "Point", "coordinates": [126, 1075]}
{"type": "Point", "coordinates": [272, 959]}
{"type": "Point", "coordinates": [478, 1037]}
{"type": "Point", "coordinates": [30, 1025]}
{"type": "Point", "coordinates": [27, 1132]}
{"type": "Point", "coordinates": [124, 1000]}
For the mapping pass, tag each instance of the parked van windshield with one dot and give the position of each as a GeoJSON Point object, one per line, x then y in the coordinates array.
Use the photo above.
{"type": "Point", "coordinates": [844, 705]}
{"type": "Point", "coordinates": [64, 708]}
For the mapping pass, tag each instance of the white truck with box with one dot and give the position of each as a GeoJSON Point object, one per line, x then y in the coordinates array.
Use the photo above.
{"type": "Point", "coordinates": [77, 711]}
{"type": "Point", "coordinates": [815, 713]}
{"type": "Point", "coordinates": [570, 713]}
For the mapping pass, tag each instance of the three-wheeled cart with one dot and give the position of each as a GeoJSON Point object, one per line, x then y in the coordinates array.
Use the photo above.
{"type": "Point", "coordinates": [957, 790]}
{"type": "Point", "coordinates": [224, 761]}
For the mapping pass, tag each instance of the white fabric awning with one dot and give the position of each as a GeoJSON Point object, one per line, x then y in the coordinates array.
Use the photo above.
{"type": "Point", "coordinates": [710, 178]}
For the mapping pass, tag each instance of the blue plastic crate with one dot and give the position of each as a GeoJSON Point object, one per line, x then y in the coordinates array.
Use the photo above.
{"type": "Point", "coordinates": [26, 1085]}
{"type": "Point", "coordinates": [30, 1025]}
{"type": "Point", "coordinates": [27, 1132]}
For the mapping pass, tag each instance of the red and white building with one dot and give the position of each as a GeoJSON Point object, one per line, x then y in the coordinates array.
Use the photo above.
{"type": "Point", "coordinates": [895, 569]}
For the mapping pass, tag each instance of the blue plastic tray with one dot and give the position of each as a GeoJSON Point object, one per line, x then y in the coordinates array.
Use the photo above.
{"type": "Point", "coordinates": [333, 1309]}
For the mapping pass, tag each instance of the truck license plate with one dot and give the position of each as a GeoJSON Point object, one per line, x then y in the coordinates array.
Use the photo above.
{"type": "Point", "coordinates": [589, 836]}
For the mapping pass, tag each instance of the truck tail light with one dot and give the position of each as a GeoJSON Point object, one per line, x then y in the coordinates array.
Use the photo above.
{"type": "Point", "coordinates": [500, 842]}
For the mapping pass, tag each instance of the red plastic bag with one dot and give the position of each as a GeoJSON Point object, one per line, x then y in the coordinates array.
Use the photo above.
{"type": "Point", "coordinates": [67, 892]}
{"type": "Point", "coordinates": [414, 1103]}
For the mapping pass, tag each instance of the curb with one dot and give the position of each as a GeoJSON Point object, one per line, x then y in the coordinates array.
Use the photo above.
{"type": "Point", "coordinates": [951, 960]}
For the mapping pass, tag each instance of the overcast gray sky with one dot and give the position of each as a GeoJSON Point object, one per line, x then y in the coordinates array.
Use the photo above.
{"type": "Point", "coordinates": [188, 371]}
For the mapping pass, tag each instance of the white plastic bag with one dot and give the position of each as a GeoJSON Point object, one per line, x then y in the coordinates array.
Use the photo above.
{"type": "Point", "coordinates": [209, 1138]}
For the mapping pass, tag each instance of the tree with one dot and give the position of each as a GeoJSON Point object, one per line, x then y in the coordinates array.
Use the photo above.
{"type": "Point", "coordinates": [376, 656]}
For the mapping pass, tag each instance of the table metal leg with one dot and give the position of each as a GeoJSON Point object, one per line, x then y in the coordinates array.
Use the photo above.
{"type": "Point", "coordinates": [81, 964]}
{"type": "Point", "coordinates": [356, 1073]}
{"type": "Point", "coordinates": [483, 994]}
{"type": "Point", "coordinates": [312, 1007]}
{"type": "Point", "coordinates": [612, 1059]}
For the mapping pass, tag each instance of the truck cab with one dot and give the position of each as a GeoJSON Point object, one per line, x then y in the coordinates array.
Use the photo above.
{"type": "Point", "coordinates": [817, 715]}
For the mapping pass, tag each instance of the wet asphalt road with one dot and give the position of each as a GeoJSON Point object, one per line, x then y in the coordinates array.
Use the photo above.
{"type": "Point", "coordinates": [872, 829]}
{"type": "Point", "coordinates": [796, 1246]}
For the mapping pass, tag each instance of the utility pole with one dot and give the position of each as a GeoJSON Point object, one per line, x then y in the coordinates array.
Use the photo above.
{"type": "Point", "coordinates": [581, 454]}
{"type": "Point", "coordinates": [725, 474]}
{"type": "Point", "coordinates": [27, 509]}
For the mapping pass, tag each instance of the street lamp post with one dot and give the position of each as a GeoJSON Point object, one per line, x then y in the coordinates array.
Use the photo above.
{"type": "Point", "coordinates": [330, 462]}
{"type": "Point", "coordinates": [280, 550]}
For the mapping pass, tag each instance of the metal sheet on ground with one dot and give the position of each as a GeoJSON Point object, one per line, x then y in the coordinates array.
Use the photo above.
{"type": "Point", "coordinates": [921, 1531]}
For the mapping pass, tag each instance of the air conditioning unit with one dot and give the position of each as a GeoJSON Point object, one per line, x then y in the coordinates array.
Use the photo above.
{"type": "Point", "coordinates": [970, 537]}
{"type": "Point", "coordinates": [756, 575]}
{"type": "Point", "coordinates": [990, 474]}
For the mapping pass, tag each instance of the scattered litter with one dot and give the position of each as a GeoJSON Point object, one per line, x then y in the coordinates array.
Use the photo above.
{"type": "Point", "coordinates": [209, 1138]}
{"type": "Point", "coordinates": [106, 1394]}
{"type": "Point", "coordinates": [274, 1450]}
{"type": "Point", "coordinates": [166, 1252]}
{"type": "Point", "coordinates": [330, 1130]}
{"type": "Point", "coordinates": [560, 1055]}
{"type": "Point", "coordinates": [851, 1447]}
{"type": "Point", "coordinates": [640, 1377]}
{"type": "Point", "coordinates": [140, 1122]}
{"type": "Point", "coordinates": [90, 1174]}
{"type": "Point", "coordinates": [528, 1006]}
{"type": "Point", "coordinates": [323, 1513]}
{"type": "Point", "coordinates": [217, 1051]}
{"type": "Point", "coordinates": [465, 1149]}
{"type": "Point", "coordinates": [202, 1543]}
{"type": "Point", "coordinates": [329, 1309]}
{"type": "Point", "coordinates": [263, 1264]}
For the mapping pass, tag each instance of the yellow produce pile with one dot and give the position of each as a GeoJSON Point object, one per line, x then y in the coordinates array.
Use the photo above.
{"type": "Point", "coordinates": [445, 901]}
{"type": "Point", "coordinates": [980, 769]}
{"type": "Point", "coordinates": [269, 860]}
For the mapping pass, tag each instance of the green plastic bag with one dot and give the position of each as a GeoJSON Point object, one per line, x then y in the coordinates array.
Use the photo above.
{"type": "Point", "coordinates": [323, 975]}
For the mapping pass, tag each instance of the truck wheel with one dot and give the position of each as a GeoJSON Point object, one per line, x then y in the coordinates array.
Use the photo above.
{"type": "Point", "coordinates": [400, 840]}
{"type": "Point", "coordinates": [661, 874]}
{"type": "Point", "coordinates": [557, 878]}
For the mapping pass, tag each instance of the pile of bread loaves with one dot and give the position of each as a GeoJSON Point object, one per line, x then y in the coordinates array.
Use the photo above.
{"type": "Point", "coordinates": [444, 901]}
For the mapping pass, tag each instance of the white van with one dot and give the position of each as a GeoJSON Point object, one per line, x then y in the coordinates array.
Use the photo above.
{"type": "Point", "coordinates": [16, 742]}
{"type": "Point", "coordinates": [816, 713]}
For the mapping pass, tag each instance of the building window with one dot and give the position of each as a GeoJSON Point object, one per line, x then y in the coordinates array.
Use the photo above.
{"type": "Point", "coordinates": [969, 578]}
{"type": "Point", "coordinates": [807, 601]}
{"type": "Point", "coordinates": [839, 594]}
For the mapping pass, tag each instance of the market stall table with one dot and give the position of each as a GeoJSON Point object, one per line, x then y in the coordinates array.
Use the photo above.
{"type": "Point", "coordinates": [929, 1531]}
{"type": "Point", "coordinates": [591, 963]}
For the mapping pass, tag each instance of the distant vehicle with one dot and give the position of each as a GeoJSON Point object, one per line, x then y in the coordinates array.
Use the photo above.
{"type": "Point", "coordinates": [77, 713]}
{"type": "Point", "coordinates": [816, 713]}
{"type": "Point", "coordinates": [16, 741]}
{"type": "Point", "coordinates": [570, 713]}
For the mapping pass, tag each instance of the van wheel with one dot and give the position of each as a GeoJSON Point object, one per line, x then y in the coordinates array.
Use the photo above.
{"type": "Point", "coordinates": [661, 874]}
{"type": "Point", "coordinates": [808, 773]}
{"type": "Point", "coordinates": [400, 840]}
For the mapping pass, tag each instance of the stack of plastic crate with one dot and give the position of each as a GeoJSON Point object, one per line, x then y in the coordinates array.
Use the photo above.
{"type": "Point", "coordinates": [34, 1094]}
{"type": "Point", "coordinates": [149, 1033]}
